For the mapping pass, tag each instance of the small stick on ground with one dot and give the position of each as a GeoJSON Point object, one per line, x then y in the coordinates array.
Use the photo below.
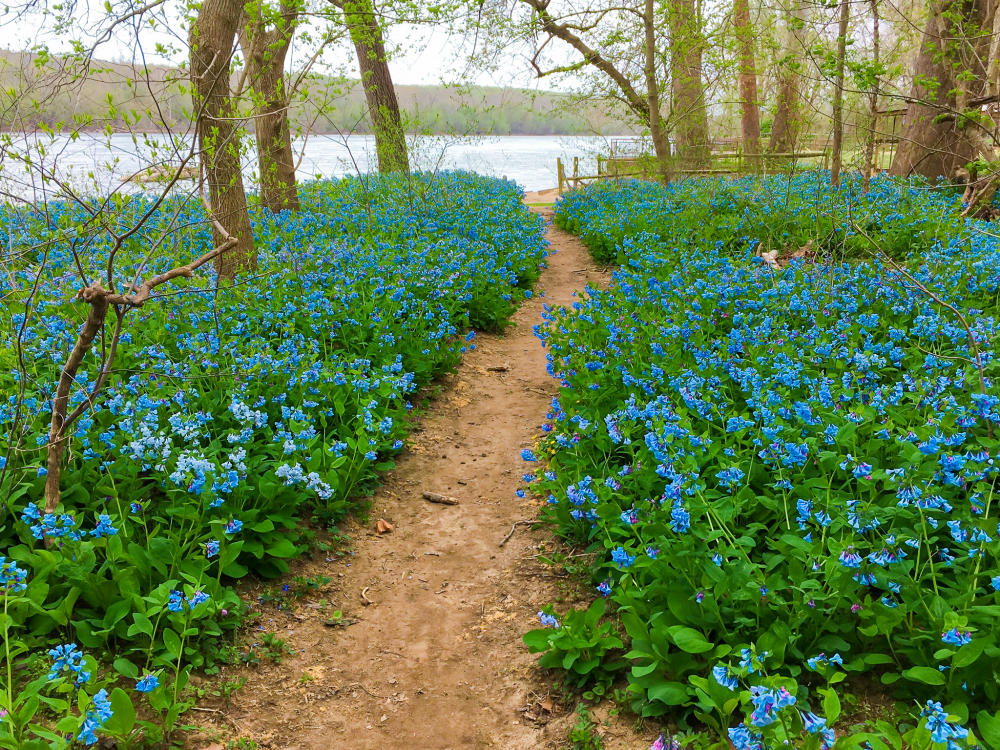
{"type": "Point", "coordinates": [511, 532]}
{"type": "Point", "coordinates": [364, 596]}
{"type": "Point", "coordinates": [539, 390]}
{"type": "Point", "coordinates": [358, 684]}
{"type": "Point", "coordinates": [437, 497]}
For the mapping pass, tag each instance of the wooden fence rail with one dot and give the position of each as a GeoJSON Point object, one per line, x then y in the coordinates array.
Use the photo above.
{"type": "Point", "coordinates": [727, 163]}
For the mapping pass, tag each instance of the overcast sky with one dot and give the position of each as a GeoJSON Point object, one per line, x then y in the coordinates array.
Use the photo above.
{"type": "Point", "coordinates": [424, 55]}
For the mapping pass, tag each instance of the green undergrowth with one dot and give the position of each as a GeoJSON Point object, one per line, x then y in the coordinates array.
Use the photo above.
{"type": "Point", "coordinates": [785, 472]}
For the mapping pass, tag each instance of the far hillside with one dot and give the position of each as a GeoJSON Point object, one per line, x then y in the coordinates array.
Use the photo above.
{"type": "Point", "coordinates": [327, 105]}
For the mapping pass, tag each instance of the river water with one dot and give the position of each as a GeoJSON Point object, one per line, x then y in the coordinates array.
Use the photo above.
{"type": "Point", "coordinates": [94, 163]}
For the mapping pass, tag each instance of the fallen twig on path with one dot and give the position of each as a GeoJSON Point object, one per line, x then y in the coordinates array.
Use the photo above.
{"type": "Point", "coordinates": [437, 497]}
{"type": "Point", "coordinates": [358, 684]}
{"type": "Point", "coordinates": [539, 390]}
{"type": "Point", "coordinates": [511, 532]}
{"type": "Point", "coordinates": [364, 596]}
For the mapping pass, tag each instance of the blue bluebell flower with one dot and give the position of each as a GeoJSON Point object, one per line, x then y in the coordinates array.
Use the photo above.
{"type": "Point", "coordinates": [68, 658]}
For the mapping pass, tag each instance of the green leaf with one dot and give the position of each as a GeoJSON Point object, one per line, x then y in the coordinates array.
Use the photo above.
{"type": "Point", "coordinates": [282, 548]}
{"type": "Point", "coordinates": [873, 659]}
{"type": "Point", "coordinates": [122, 721]}
{"type": "Point", "coordinates": [689, 640]}
{"type": "Point", "coordinates": [831, 705]}
{"type": "Point", "coordinates": [989, 729]}
{"type": "Point", "coordinates": [642, 671]}
{"type": "Point", "coordinates": [230, 552]}
{"type": "Point", "coordinates": [968, 653]}
{"type": "Point", "coordinates": [172, 642]}
{"type": "Point", "coordinates": [671, 693]}
{"type": "Point", "coordinates": [126, 668]}
{"type": "Point", "coordinates": [117, 612]}
{"type": "Point", "coordinates": [140, 624]}
{"type": "Point", "coordinates": [594, 613]}
{"type": "Point", "coordinates": [235, 570]}
{"type": "Point", "coordinates": [926, 675]}
{"type": "Point", "coordinates": [537, 640]}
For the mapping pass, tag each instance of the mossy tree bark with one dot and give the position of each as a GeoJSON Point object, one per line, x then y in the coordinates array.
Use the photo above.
{"type": "Point", "coordinates": [749, 109]}
{"type": "Point", "coordinates": [870, 167]}
{"type": "Point", "coordinates": [689, 113]}
{"type": "Point", "coordinates": [838, 95]}
{"type": "Point", "coordinates": [383, 108]}
{"type": "Point", "coordinates": [942, 129]}
{"type": "Point", "coordinates": [211, 41]}
{"type": "Point", "coordinates": [265, 47]}
{"type": "Point", "coordinates": [787, 124]}
{"type": "Point", "coordinates": [661, 144]}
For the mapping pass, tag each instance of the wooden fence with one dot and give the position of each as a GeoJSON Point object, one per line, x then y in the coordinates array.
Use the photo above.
{"type": "Point", "coordinates": [721, 163]}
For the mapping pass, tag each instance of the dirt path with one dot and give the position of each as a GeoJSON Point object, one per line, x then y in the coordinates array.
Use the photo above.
{"type": "Point", "coordinates": [437, 661]}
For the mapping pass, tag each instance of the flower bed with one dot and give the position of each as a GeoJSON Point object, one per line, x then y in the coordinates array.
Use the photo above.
{"type": "Point", "coordinates": [788, 474]}
{"type": "Point", "coordinates": [229, 419]}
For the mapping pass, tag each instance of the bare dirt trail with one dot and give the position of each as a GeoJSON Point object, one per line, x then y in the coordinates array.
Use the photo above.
{"type": "Point", "coordinates": [436, 662]}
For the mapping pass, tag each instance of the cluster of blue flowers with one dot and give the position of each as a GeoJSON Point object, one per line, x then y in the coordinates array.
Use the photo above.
{"type": "Point", "coordinates": [68, 658]}
{"type": "Point", "coordinates": [232, 411]}
{"type": "Point", "coordinates": [12, 578]}
{"type": "Point", "coordinates": [95, 718]}
{"type": "Point", "coordinates": [68, 661]}
{"type": "Point", "coordinates": [809, 452]}
{"type": "Point", "coordinates": [942, 731]}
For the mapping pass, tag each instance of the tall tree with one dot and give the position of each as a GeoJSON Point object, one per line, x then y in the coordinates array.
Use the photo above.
{"type": "Point", "coordinates": [749, 109]}
{"type": "Point", "coordinates": [265, 38]}
{"type": "Point", "coordinates": [661, 144]}
{"type": "Point", "coordinates": [942, 129]}
{"type": "Point", "coordinates": [838, 94]}
{"type": "Point", "coordinates": [873, 92]}
{"type": "Point", "coordinates": [212, 40]}
{"type": "Point", "coordinates": [689, 113]}
{"type": "Point", "coordinates": [984, 184]}
{"type": "Point", "coordinates": [362, 24]}
{"type": "Point", "coordinates": [788, 117]}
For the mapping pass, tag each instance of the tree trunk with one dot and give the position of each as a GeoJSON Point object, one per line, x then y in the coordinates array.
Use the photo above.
{"type": "Point", "coordinates": [211, 39]}
{"type": "Point", "coordinates": [870, 166]}
{"type": "Point", "coordinates": [661, 145]}
{"type": "Point", "coordinates": [690, 116]}
{"type": "Point", "coordinates": [788, 116]}
{"type": "Point", "coordinates": [57, 427]}
{"type": "Point", "coordinates": [980, 192]}
{"type": "Point", "coordinates": [383, 108]}
{"type": "Point", "coordinates": [265, 51]}
{"type": "Point", "coordinates": [749, 110]}
{"type": "Point", "coordinates": [936, 139]}
{"type": "Point", "coordinates": [838, 95]}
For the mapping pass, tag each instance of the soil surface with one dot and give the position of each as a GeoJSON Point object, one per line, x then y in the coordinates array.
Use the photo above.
{"type": "Point", "coordinates": [436, 660]}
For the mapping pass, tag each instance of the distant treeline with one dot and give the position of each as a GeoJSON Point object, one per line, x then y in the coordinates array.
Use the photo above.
{"type": "Point", "coordinates": [48, 91]}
